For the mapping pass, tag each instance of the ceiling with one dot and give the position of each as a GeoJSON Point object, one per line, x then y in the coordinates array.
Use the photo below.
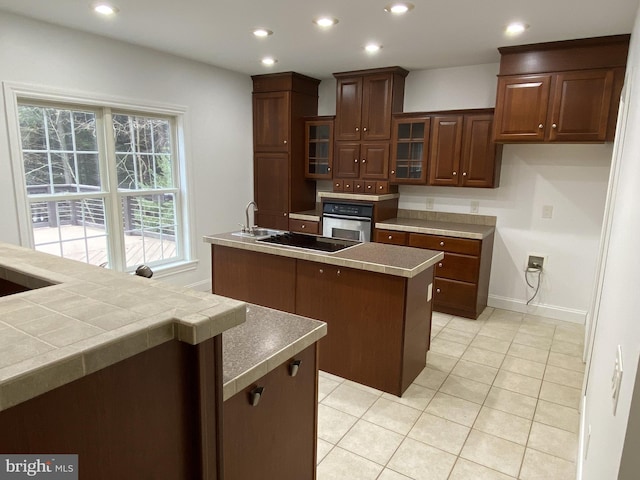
{"type": "Point", "coordinates": [435, 34]}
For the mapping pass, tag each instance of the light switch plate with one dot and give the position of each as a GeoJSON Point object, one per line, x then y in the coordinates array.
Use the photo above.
{"type": "Point", "coordinates": [547, 211]}
{"type": "Point", "coordinates": [429, 292]}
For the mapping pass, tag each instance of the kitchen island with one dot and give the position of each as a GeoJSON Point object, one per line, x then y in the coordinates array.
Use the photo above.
{"type": "Point", "coordinates": [375, 298]}
{"type": "Point", "coordinates": [129, 373]}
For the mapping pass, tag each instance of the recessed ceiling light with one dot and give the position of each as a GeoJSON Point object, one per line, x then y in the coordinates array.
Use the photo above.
{"type": "Point", "coordinates": [372, 47]}
{"type": "Point", "coordinates": [399, 8]}
{"type": "Point", "coordinates": [262, 32]}
{"type": "Point", "coordinates": [269, 61]}
{"type": "Point", "coordinates": [104, 8]}
{"type": "Point", "coordinates": [325, 22]}
{"type": "Point", "coordinates": [516, 28]}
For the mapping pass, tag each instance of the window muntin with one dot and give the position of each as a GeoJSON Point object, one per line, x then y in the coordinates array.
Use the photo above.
{"type": "Point", "coordinates": [64, 156]}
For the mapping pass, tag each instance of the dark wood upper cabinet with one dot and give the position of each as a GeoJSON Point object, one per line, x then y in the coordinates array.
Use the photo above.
{"type": "Point", "coordinates": [560, 91]}
{"type": "Point", "coordinates": [349, 101]}
{"type": "Point", "coordinates": [271, 189]}
{"type": "Point", "coordinates": [347, 160]}
{"type": "Point", "coordinates": [446, 150]}
{"type": "Point", "coordinates": [271, 121]}
{"type": "Point", "coordinates": [374, 162]}
{"type": "Point", "coordinates": [409, 149]}
{"type": "Point", "coordinates": [319, 148]}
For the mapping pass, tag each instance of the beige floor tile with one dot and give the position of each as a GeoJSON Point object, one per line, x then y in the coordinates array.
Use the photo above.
{"type": "Point", "coordinates": [491, 344]}
{"type": "Point", "coordinates": [466, 470]}
{"type": "Point", "coordinates": [353, 401]}
{"type": "Point", "coordinates": [511, 402]}
{"type": "Point", "coordinates": [569, 335]}
{"type": "Point", "coordinates": [323, 448]}
{"type": "Point", "coordinates": [446, 347]}
{"type": "Point", "coordinates": [340, 464]}
{"type": "Point", "coordinates": [561, 394]}
{"type": "Point", "coordinates": [392, 416]}
{"type": "Point", "coordinates": [537, 329]}
{"type": "Point", "coordinates": [518, 383]}
{"type": "Point", "coordinates": [371, 442]}
{"type": "Point", "coordinates": [440, 433]}
{"type": "Point", "coordinates": [330, 376]}
{"type": "Point", "coordinates": [333, 424]}
{"type": "Point", "coordinates": [457, 336]}
{"type": "Point", "coordinates": [441, 362]}
{"type": "Point", "coordinates": [503, 425]}
{"type": "Point", "coordinates": [532, 341]}
{"type": "Point", "coordinates": [388, 474]}
{"type": "Point", "coordinates": [465, 324]}
{"type": "Point", "coordinates": [416, 396]}
{"type": "Point", "coordinates": [421, 462]}
{"type": "Point", "coordinates": [569, 362]}
{"type": "Point", "coordinates": [486, 313]}
{"type": "Point", "coordinates": [484, 357]}
{"type": "Point", "coordinates": [540, 466]}
{"type": "Point", "coordinates": [454, 409]}
{"type": "Point", "coordinates": [567, 348]}
{"type": "Point", "coordinates": [440, 319]}
{"type": "Point", "coordinates": [557, 416]}
{"type": "Point", "coordinates": [435, 331]}
{"type": "Point", "coordinates": [493, 452]}
{"type": "Point", "coordinates": [495, 331]}
{"type": "Point", "coordinates": [325, 386]}
{"type": "Point", "coordinates": [475, 371]}
{"type": "Point", "coordinates": [366, 388]}
{"type": "Point", "coordinates": [506, 316]}
{"type": "Point", "coordinates": [523, 367]}
{"type": "Point", "coordinates": [430, 378]}
{"type": "Point", "coordinates": [554, 441]}
{"type": "Point", "coordinates": [528, 353]}
{"type": "Point", "coordinates": [538, 319]}
{"type": "Point", "coordinates": [465, 388]}
{"type": "Point", "coordinates": [563, 376]}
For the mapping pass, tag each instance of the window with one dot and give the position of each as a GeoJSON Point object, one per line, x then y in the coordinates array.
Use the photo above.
{"type": "Point", "coordinates": [102, 185]}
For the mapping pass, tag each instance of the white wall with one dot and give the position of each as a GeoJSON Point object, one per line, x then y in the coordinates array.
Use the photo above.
{"type": "Point", "coordinates": [218, 103]}
{"type": "Point", "coordinates": [616, 319]}
{"type": "Point", "coordinates": [571, 178]}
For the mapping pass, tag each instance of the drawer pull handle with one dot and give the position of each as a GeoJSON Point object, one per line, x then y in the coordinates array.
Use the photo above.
{"type": "Point", "coordinates": [255, 395]}
{"type": "Point", "coordinates": [442, 244]}
{"type": "Point", "coordinates": [347, 186]}
{"type": "Point", "coordinates": [303, 225]}
{"type": "Point", "coordinates": [381, 187]}
{"type": "Point", "coordinates": [321, 271]}
{"type": "Point", "coordinates": [369, 187]}
{"type": "Point", "coordinates": [338, 273]}
{"type": "Point", "coordinates": [440, 264]}
{"type": "Point", "coordinates": [390, 237]}
{"type": "Point", "coordinates": [293, 367]}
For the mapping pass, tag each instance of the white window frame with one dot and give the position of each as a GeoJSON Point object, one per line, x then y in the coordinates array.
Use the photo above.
{"type": "Point", "coordinates": [14, 93]}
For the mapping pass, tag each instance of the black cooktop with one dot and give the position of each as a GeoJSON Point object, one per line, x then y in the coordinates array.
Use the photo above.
{"type": "Point", "coordinates": [311, 242]}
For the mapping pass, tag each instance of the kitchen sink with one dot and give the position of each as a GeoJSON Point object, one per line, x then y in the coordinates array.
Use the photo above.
{"type": "Point", "coordinates": [259, 233]}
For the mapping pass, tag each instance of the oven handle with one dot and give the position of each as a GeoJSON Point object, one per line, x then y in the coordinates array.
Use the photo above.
{"type": "Point", "coordinates": [346, 217]}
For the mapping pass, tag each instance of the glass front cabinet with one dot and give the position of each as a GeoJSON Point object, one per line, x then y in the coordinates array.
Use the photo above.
{"type": "Point", "coordinates": [409, 149]}
{"type": "Point", "coordinates": [319, 147]}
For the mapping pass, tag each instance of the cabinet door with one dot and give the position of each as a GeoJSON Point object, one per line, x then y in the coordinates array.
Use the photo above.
{"type": "Point", "coordinates": [479, 152]}
{"type": "Point", "coordinates": [284, 420]}
{"type": "Point", "coordinates": [374, 161]}
{"type": "Point", "coordinates": [271, 122]}
{"type": "Point", "coordinates": [377, 91]}
{"type": "Point", "coordinates": [521, 108]}
{"type": "Point", "coordinates": [455, 294]}
{"type": "Point", "coordinates": [446, 150]}
{"type": "Point", "coordinates": [318, 149]}
{"type": "Point", "coordinates": [349, 108]}
{"type": "Point", "coordinates": [409, 148]}
{"type": "Point", "coordinates": [347, 160]}
{"type": "Point", "coordinates": [272, 189]}
{"type": "Point", "coordinates": [580, 106]}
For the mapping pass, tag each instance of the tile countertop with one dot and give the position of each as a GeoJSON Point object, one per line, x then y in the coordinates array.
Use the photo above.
{"type": "Point", "coordinates": [86, 318]}
{"type": "Point", "coordinates": [435, 227]}
{"type": "Point", "coordinates": [373, 257]}
{"type": "Point", "coordinates": [267, 339]}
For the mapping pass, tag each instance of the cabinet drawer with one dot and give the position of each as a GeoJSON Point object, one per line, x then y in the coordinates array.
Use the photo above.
{"type": "Point", "coordinates": [391, 237]}
{"type": "Point", "coordinates": [453, 293]}
{"type": "Point", "coordinates": [446, 244]}
{"type": "Point", "coordinates": [304, 226]}
{"type": "Point", "coordinates": [338, 185]}
{"type": "Point", "coordinates": [458, 267]}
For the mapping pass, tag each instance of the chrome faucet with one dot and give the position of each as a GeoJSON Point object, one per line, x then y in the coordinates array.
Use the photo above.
{"type": "Point", "coordinates": [249, 228]}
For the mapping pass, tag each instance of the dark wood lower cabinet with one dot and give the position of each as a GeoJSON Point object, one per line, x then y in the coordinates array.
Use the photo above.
{"type": "Point", "coordinates": [275, 439]}
{"type": "Point", "coordinates": [152, 416]}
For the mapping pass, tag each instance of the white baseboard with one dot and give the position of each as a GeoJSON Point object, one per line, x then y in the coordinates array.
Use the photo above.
{"type": "Point", "coordinates": [549, 311]}
{"type": "Point", "coordinates": [201, 286]}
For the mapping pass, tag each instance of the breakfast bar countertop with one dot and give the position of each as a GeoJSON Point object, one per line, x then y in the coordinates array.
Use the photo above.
{"type": "Point", "coordinates": [80, 318]}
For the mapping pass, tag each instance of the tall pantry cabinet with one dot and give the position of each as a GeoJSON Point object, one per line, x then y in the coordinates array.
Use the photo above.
{"type": "Point", "coordinates": [280, 103]}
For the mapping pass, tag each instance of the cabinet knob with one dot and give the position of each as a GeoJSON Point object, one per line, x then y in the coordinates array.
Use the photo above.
{"type": "Point", "coordinates": [293, 367]}
{"type": "Point", "coordinates": [390, 237]}
{"type": "Point", "coordinates": [337, 185]}
{"type": "Point", "coordinates": [357, 129]}
{"type": "Point", "coordinates": [437, 290]}
{"type": "Point", "coordinates": [338, 273]}
{"type": "Point", "coordinates": [442, 244]}
{"type": "Point", "coordinates": [455, 173]}
{"type": "Point", "coordinates": [464, 174]}
{"type": "Point", "coordinates": [255, 395]}
{"type": "Point", "coordinates": [328, 169]}
{"type": "Point", "coordinates": [284, 214]}
{"type": "Point", "coordinates": [380, 187]}
{"type": "Point", "coordinates": [440, 264]}
{"type": "Point", "coordinates": [393, 172]}
{"type": "Point", "coordinates": [285, 142]}
{"type": "Point", "coordinates": [541, 126]}
{"type": "Point", "coordinates": [553, 125]}
{"type": "Point", "coordinates": [364, 160]}
{"type": "Point", "coordinates": [321, 271]}
{"type": "Point", "coordinates": [364, 129]}
{"type": "Point", "coordinates": [303, 226]}
{"type": "Point", "coordinates": [369, 187]}
{"type": "Point", "coordinates": [355, 160]}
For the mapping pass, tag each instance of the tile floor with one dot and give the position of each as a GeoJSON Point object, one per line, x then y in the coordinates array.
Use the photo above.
{"type": "Point", "coordinates": [498, 400]}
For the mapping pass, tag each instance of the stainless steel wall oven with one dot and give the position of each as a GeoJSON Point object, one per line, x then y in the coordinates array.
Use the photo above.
{"type": "Point", "coordinates": [351, 221]}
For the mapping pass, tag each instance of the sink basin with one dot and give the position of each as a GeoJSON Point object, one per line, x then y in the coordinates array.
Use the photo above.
{"type": "Point", "coordinates": [258, 233]}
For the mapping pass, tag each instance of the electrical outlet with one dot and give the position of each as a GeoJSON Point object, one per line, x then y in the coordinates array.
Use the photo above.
{"type": "Point", "coordinates": [547, 211]}
{"type": "Point", "coordinates": [429, 203]}
{"type": "Point", "coordinates": [535, 261]}
{"type": "Point", "coordinates": [616, 379]}
{"type": "Point", "coordinates": [474, 206]}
